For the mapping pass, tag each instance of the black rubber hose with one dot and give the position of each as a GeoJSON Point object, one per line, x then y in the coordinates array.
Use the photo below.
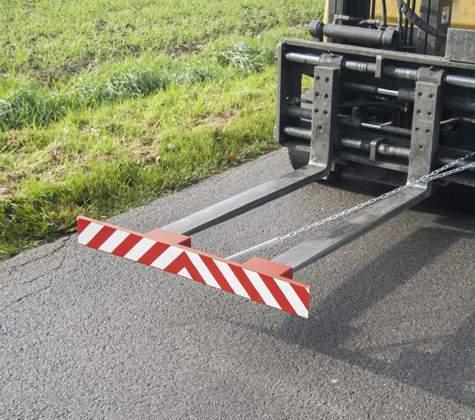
{"type": "Point", "coordinates": [385, 13]}
{"type": "Point", "coordinates": [410, 14]}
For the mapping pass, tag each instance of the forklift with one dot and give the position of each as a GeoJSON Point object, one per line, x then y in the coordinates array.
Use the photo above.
{"type": "Point", "coordinates": [383, 91]}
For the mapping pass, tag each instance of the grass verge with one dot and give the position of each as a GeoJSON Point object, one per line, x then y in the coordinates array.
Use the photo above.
{"type": "Point", "coordinates": [123, 155]}
{"type": "Point", "coordinates": [107, 104]}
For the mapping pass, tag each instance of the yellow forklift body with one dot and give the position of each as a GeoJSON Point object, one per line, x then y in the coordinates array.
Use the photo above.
{"type": "Point", "coordinates": [463, 13]}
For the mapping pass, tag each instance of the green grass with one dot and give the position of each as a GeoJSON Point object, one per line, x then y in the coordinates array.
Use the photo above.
{"type": "Point", "coordinates": [105, 105]}
{"type": "Point", "coordinates": [54, 38]}
{"type": "Point", "coordinates": [25, 102]}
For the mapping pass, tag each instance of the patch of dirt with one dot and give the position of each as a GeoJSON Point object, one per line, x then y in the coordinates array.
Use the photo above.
{"type": "Point", "coordinates": [192, 47]}
{"type": "Point", "coordinates": [56, 154]}
{"type": "Point", "coordinates": [4, 193]}
{"type": "Point", "coordinates": [148, 158]}
{"type": "Point", "coordinates": [53, 74]}
{"type": "Point", "coordinates": [220, 119]}
{"type": "Point", "coordinates": [16, 176]}
{"type": "Point", "coordinates": [133, 49]}
{"type": "Point", "coordinates": [131, 26]}
{"type": "Point", "coordinates": [101, 24]}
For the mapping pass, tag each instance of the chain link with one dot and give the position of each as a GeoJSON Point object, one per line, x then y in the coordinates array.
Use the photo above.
{"type": "Point", "coordinates": [439, 173]}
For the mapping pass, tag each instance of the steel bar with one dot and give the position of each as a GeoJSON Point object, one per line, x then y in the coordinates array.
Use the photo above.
{"type": "Point", "coordinates": [384, 149]}
{"type": "Point", "coordinates": [390, 71]}
{"type": "Point", "coordinates": [344, 156]}
{"type": "Point", "coordinates": [300, 133]}
{"type": "Point", "coordinates": [387, 37]}
{"type": "Point", "coordinates": [403, 94]}
{"type": "Point", "coordinates": [450, 101]}
{"type": "Point", "coordinates": [332, 238]}
{"type": "Point", "coordinates": [461, 81]}
{"type": "Point", "coordinates": [375, 90]}
{"type": "Point", "coordinates": [387, 129]}
{"type": "Point", "coordinates": [298, 112]}
{"type": "Point", "coordinates": [245, 201]}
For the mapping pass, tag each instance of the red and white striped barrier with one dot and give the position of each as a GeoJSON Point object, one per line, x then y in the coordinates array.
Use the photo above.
{"type": "Point", "coordinates": [258, 280]}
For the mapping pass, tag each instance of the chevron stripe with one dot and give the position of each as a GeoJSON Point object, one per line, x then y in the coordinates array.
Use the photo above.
{"type": "Point", "coordinates": [280, 293]}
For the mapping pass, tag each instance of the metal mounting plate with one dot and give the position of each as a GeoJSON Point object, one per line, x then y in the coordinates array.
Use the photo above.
{"type": "Point", "coordinates": [324, 116]}
{"type": "Point", "coordinates": [425, 123]}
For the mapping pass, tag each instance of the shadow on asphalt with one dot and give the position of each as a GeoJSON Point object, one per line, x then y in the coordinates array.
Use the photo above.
{"type": "Point", "coordinates": [446, 199]}
{"type": "Point", "coordinates": [446, 370]}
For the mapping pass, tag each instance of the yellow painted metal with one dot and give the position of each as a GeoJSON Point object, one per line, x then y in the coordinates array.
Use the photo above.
{"type": "Point", "coordinates": [326, 16]}
{"type": "Point", "coordinates": [463, 12]}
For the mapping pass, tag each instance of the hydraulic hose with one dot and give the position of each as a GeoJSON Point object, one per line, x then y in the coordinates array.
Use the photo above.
{"type": "Point", "coordinates": [412, 16]}
{"type": "Point", "coordinates": [385, 13]}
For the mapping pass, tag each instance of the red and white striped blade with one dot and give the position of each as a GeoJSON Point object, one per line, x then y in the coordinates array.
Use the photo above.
{"type": "Point", "coordinates": [262, 287]}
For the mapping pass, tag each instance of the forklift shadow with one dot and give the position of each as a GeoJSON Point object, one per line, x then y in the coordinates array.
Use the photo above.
{"type": "Point", "coordinates": [443, 202]}
{"type": "Point", "coordinates": [446, 370]}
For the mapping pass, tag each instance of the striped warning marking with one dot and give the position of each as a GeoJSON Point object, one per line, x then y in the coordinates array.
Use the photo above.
{"type": "Point", "coordinates": [277, 292]}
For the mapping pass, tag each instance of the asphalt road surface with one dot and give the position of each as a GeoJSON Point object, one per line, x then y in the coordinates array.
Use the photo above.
{"type": "Point", "coordinates": [391, 334]}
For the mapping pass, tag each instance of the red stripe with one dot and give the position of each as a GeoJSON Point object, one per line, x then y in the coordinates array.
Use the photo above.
{"type": "Point", "coordinates": [101, 237]}
{"type": "Point", "coordinates": [184, 262]}
{"type": "Point", "coordinates": [303, 294]}
{"type": "Point", "coordinates": [82, 224]}
{"type": "Point", "coordinates": [278, 294]}
{"type": "Point", "coordinates": [246, 283]}
{"type": "Point", "coordinates": [216, 273]}
{"type": "Point", "coordinates": [153, 253]}
{"type": "Point", "coordinates": [126, 245]}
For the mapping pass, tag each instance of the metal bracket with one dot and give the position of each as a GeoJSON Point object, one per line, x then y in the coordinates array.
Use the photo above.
{"type": "Point", "coordinates": [373, 148]}
{"type": "Point", "coordinates": [325, 111]}
{"type": "Point", "coordinates": [426, 122]}
{"type": "Point", "coordinates": [379, 67]}
{"type": "Point", "coordinates": [289, 85]}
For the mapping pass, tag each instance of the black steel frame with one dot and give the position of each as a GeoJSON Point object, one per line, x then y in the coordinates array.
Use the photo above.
{"type": "Point", "coordinates": [383, 78]}
{"type": "Point", "coordinates": [426, 89]}
{"type": "Point", "coordinates": [431, 11]}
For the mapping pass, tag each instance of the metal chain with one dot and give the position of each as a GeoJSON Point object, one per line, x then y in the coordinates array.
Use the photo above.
{"type": "Point", "coordinates": [439, 173]}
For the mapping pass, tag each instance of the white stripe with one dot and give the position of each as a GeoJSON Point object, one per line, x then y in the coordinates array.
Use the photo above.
{"type": "Point", "coordinates": [293, 298]}
{"type": "Point", "coordinates": [234, 283]}
{"type": "Point", "coordinates": [140, 248]}
{"type": "Point", "coordinates": [170, 255]}
{"type": "Point", "coordinates": [203, 270]}
{"type": "Point", "coordinates": [89, 233]}
{"type": "Point", "coordinates": [114, 241]}
{"type": "Point", "coordinates": [184, 273]}
{"type": "Point", "coordinates": [261, 287]}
